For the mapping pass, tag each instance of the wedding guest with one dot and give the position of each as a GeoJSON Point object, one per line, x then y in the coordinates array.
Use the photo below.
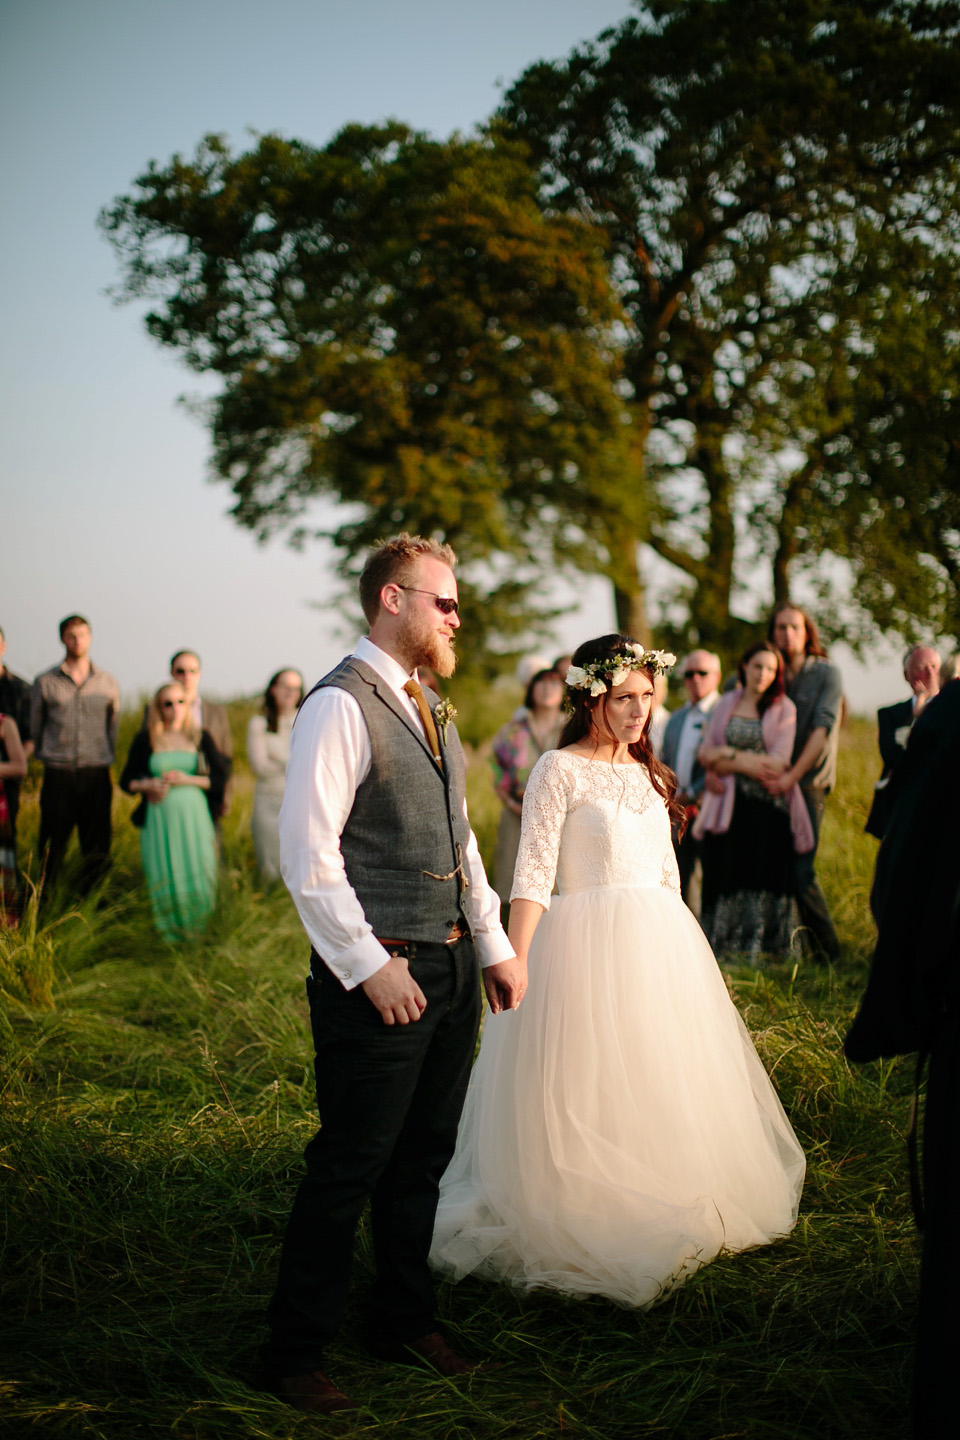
{"type": "Point", "coordinates": [912, 1005]}
{"type": "Point", "coordinates": [13, 767]}
{"type": "Point", "coordinates": [15, 702]}
{"type": "Point", "coordinates": [921, 670]}
{"type": "Point", "coordinates": [516, 749]}
{"type": "Point", "coordinates": [207, 715]}
{"type": "Point", "coordinates": [682, 739]}
{"type": "Point", "coordinates": [816, 689]}
{"type": "Point", "coordinates": [749, 830]}
{"type": "Point", "coordinates": [268, 750]}
{"type": "Point", "coordinates": [74, 711]}
{"type": "Point", "coordinates": [178, 771]}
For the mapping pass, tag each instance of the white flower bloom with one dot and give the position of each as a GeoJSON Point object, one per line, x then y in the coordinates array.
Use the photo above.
{"type": "Point", "coordinates": [598, 688]}
{"type": "Point", "coordinates": [618, 676]}
{"type": "Point", "coordinates": [575, 677]}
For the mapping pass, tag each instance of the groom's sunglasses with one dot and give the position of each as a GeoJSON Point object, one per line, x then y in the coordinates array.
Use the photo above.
{"type": "Point", "coordinates": [444, 603]}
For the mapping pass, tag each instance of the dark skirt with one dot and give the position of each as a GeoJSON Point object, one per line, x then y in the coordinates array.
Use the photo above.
{"type": "Point", "coordinates": [748, 883]}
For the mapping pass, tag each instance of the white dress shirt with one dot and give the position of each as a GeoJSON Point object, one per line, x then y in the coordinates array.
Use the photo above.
{"type": "Point", "coordinates": [329, 758]}
{"type": "Point", "coordinates": [691, 738]}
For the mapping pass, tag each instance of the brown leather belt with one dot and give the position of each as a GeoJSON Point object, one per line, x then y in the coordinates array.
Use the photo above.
{"type": "Point", "coordinates": [459, 932]}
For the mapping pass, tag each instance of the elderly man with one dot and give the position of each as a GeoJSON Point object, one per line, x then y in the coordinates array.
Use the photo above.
{"type": "Point", "coordinates": [815, 687]}
{"type": "Point", "coordinates": [74, 711]}
{"type": "Point", "coordinates": [921, 670]}
{"type": "Point", "coordinates": [377, 853]}
{"type": "Point", "coordinates": [683, 738]}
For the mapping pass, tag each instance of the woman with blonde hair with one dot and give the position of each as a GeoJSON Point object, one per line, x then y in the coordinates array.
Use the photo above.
{"type": "Point", "coordinates": [179, 774]}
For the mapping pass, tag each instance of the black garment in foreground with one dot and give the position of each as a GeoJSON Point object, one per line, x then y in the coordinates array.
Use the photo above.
{"type": "Point", "coordinates": [912, 1003]}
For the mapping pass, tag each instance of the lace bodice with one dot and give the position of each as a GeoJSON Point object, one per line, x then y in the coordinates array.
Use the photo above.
{"type": "Point", "coordinates": [587, 823]}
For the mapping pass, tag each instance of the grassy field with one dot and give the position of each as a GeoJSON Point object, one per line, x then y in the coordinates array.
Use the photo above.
{"type": "Point", "coordinates": [155, 1105]}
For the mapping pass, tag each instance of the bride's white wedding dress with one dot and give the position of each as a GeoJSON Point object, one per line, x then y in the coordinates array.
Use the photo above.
{"type": "Point", "coordinates": [619, 1129]}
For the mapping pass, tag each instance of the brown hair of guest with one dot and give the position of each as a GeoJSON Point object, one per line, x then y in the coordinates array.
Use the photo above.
{"type": "Point", "coordinates": [270, 700]}
{"type": "Point", "coordinates": [777, 686]}
{"type": "Point", "coordinates": [813, 644]}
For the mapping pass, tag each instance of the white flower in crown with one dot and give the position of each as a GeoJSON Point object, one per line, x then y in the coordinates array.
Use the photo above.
{"type": "Point", "coordinates": [576, 677]}
{"type": "Point", "coordinates": [598, 687]}
{"type": "Point", "coordinates": [617, 677]}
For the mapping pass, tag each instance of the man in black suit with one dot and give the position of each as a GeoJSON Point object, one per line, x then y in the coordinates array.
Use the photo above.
{"type": "Point", "coordinates": [921, 670]}
{"type": "Point", "coordinates": [912, 1003]}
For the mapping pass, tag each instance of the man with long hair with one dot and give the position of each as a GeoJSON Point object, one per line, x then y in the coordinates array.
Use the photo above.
{"type": "Point", "coordinates": [816, 689]}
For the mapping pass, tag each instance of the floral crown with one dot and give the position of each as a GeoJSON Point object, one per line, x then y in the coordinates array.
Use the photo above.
{"type": "Point", "coordinates": [616, 668]}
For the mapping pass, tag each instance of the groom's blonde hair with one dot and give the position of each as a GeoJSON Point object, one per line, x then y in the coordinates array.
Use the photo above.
{"type": "Point", "coordinates": [392, 562]}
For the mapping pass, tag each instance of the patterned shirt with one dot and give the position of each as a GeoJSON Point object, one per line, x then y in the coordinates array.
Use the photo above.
{"type": "Point", "coordinates": [75, 725]}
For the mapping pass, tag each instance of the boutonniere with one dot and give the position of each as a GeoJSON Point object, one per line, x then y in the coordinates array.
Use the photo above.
{"type": "Point", "coordinates": [443, 714]}
{"type": "Point", "coordinates": [901, 735]}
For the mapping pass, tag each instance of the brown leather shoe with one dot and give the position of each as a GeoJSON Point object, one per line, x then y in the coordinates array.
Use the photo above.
{"type": "Point", "coordinates": [313, 1392]}
{"type": "Point", "coordinates": [432, 1350]}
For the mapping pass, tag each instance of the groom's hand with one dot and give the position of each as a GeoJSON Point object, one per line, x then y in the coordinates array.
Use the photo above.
{"type": "Point", "coordinates": [395, 993]}
{"type": "Point", "coordinates": [505, 984]}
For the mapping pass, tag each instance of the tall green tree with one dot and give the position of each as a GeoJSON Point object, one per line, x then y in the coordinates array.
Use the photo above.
{"type": "Point", "coordinates": [744, 157]}
{"type": "Point", "coordinates": [399, 325]}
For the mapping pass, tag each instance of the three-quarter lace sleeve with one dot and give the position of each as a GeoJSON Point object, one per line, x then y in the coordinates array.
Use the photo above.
{"type": "Point", "coordinates": [545, 804]}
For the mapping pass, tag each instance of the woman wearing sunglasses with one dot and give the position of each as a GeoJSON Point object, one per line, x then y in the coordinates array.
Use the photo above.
{"type": "Point", "coordinates": [179, 775]}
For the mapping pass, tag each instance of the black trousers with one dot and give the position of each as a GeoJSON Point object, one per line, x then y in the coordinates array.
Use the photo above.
{"type": "Point", "coordinates": [78, 796]}
{"type": "Point", "coordinates": [390, 1098]}
{"type": "Point", "coordinates": [811, 901]}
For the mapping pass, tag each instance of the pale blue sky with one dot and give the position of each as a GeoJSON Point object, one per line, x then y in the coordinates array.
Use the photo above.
{"type": "Point", "coordinates": [106, 506]}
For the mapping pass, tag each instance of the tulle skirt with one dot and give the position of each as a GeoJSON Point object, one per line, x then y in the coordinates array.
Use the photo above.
{"type": "Point", "coordinates": [619, 1129]}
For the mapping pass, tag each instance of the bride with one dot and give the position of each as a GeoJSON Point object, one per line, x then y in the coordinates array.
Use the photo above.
{"type": "Point", "coordinates": [619, 1130]}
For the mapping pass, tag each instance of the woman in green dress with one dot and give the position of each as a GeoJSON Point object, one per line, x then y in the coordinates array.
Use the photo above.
{"type": "Point", "coordinates": [179, 775]}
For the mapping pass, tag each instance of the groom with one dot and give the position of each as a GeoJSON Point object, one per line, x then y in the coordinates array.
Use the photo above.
{"type": "Point", "coordinates": [377, 852]}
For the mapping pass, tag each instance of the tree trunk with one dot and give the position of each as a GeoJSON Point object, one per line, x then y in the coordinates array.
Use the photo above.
{"type": "Point", "coordinates": [629, 591]}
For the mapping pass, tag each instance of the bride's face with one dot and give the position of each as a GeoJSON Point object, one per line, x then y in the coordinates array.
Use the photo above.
{"type": "Point", "coordinates": [623, 713]}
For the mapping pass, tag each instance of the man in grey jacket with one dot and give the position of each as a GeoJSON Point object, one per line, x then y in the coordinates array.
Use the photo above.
{"type": "Point", "coordinates": [377, 852]}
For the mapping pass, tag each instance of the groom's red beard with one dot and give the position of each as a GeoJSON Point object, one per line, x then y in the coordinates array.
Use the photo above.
{"type": "Point", "coordinates": [420, 644]}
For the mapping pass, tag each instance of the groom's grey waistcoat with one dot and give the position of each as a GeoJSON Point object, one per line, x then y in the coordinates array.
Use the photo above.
{"type": "Point", "coordinates": [407, 818]}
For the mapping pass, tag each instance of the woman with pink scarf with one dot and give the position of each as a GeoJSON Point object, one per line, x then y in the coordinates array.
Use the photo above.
{"type": "Point", "coordinates": [749, 834]}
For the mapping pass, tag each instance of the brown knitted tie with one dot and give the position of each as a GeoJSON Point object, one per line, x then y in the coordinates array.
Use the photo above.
{"type": "Point", "coordinates": [416, 694]}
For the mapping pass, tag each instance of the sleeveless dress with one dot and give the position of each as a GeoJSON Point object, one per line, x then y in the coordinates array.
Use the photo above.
{"type": "Point", "coordinates": [179, 848]}
{"type": "Point", "coordinates": [619, 1130]}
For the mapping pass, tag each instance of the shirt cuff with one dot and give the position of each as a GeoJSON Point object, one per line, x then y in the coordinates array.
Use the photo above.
{"type": "Point", "coordinates": [492, 946]}
{"type": "Point", "coordinates": [358, 962]}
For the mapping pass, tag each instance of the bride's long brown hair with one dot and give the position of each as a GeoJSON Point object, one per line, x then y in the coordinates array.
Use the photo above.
{"type": "Point", "coordinates": [585, 706]}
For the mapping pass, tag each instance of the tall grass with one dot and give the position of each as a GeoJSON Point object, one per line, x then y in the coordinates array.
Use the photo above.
{"type": "Point", "coordinates": [155, 1105]}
